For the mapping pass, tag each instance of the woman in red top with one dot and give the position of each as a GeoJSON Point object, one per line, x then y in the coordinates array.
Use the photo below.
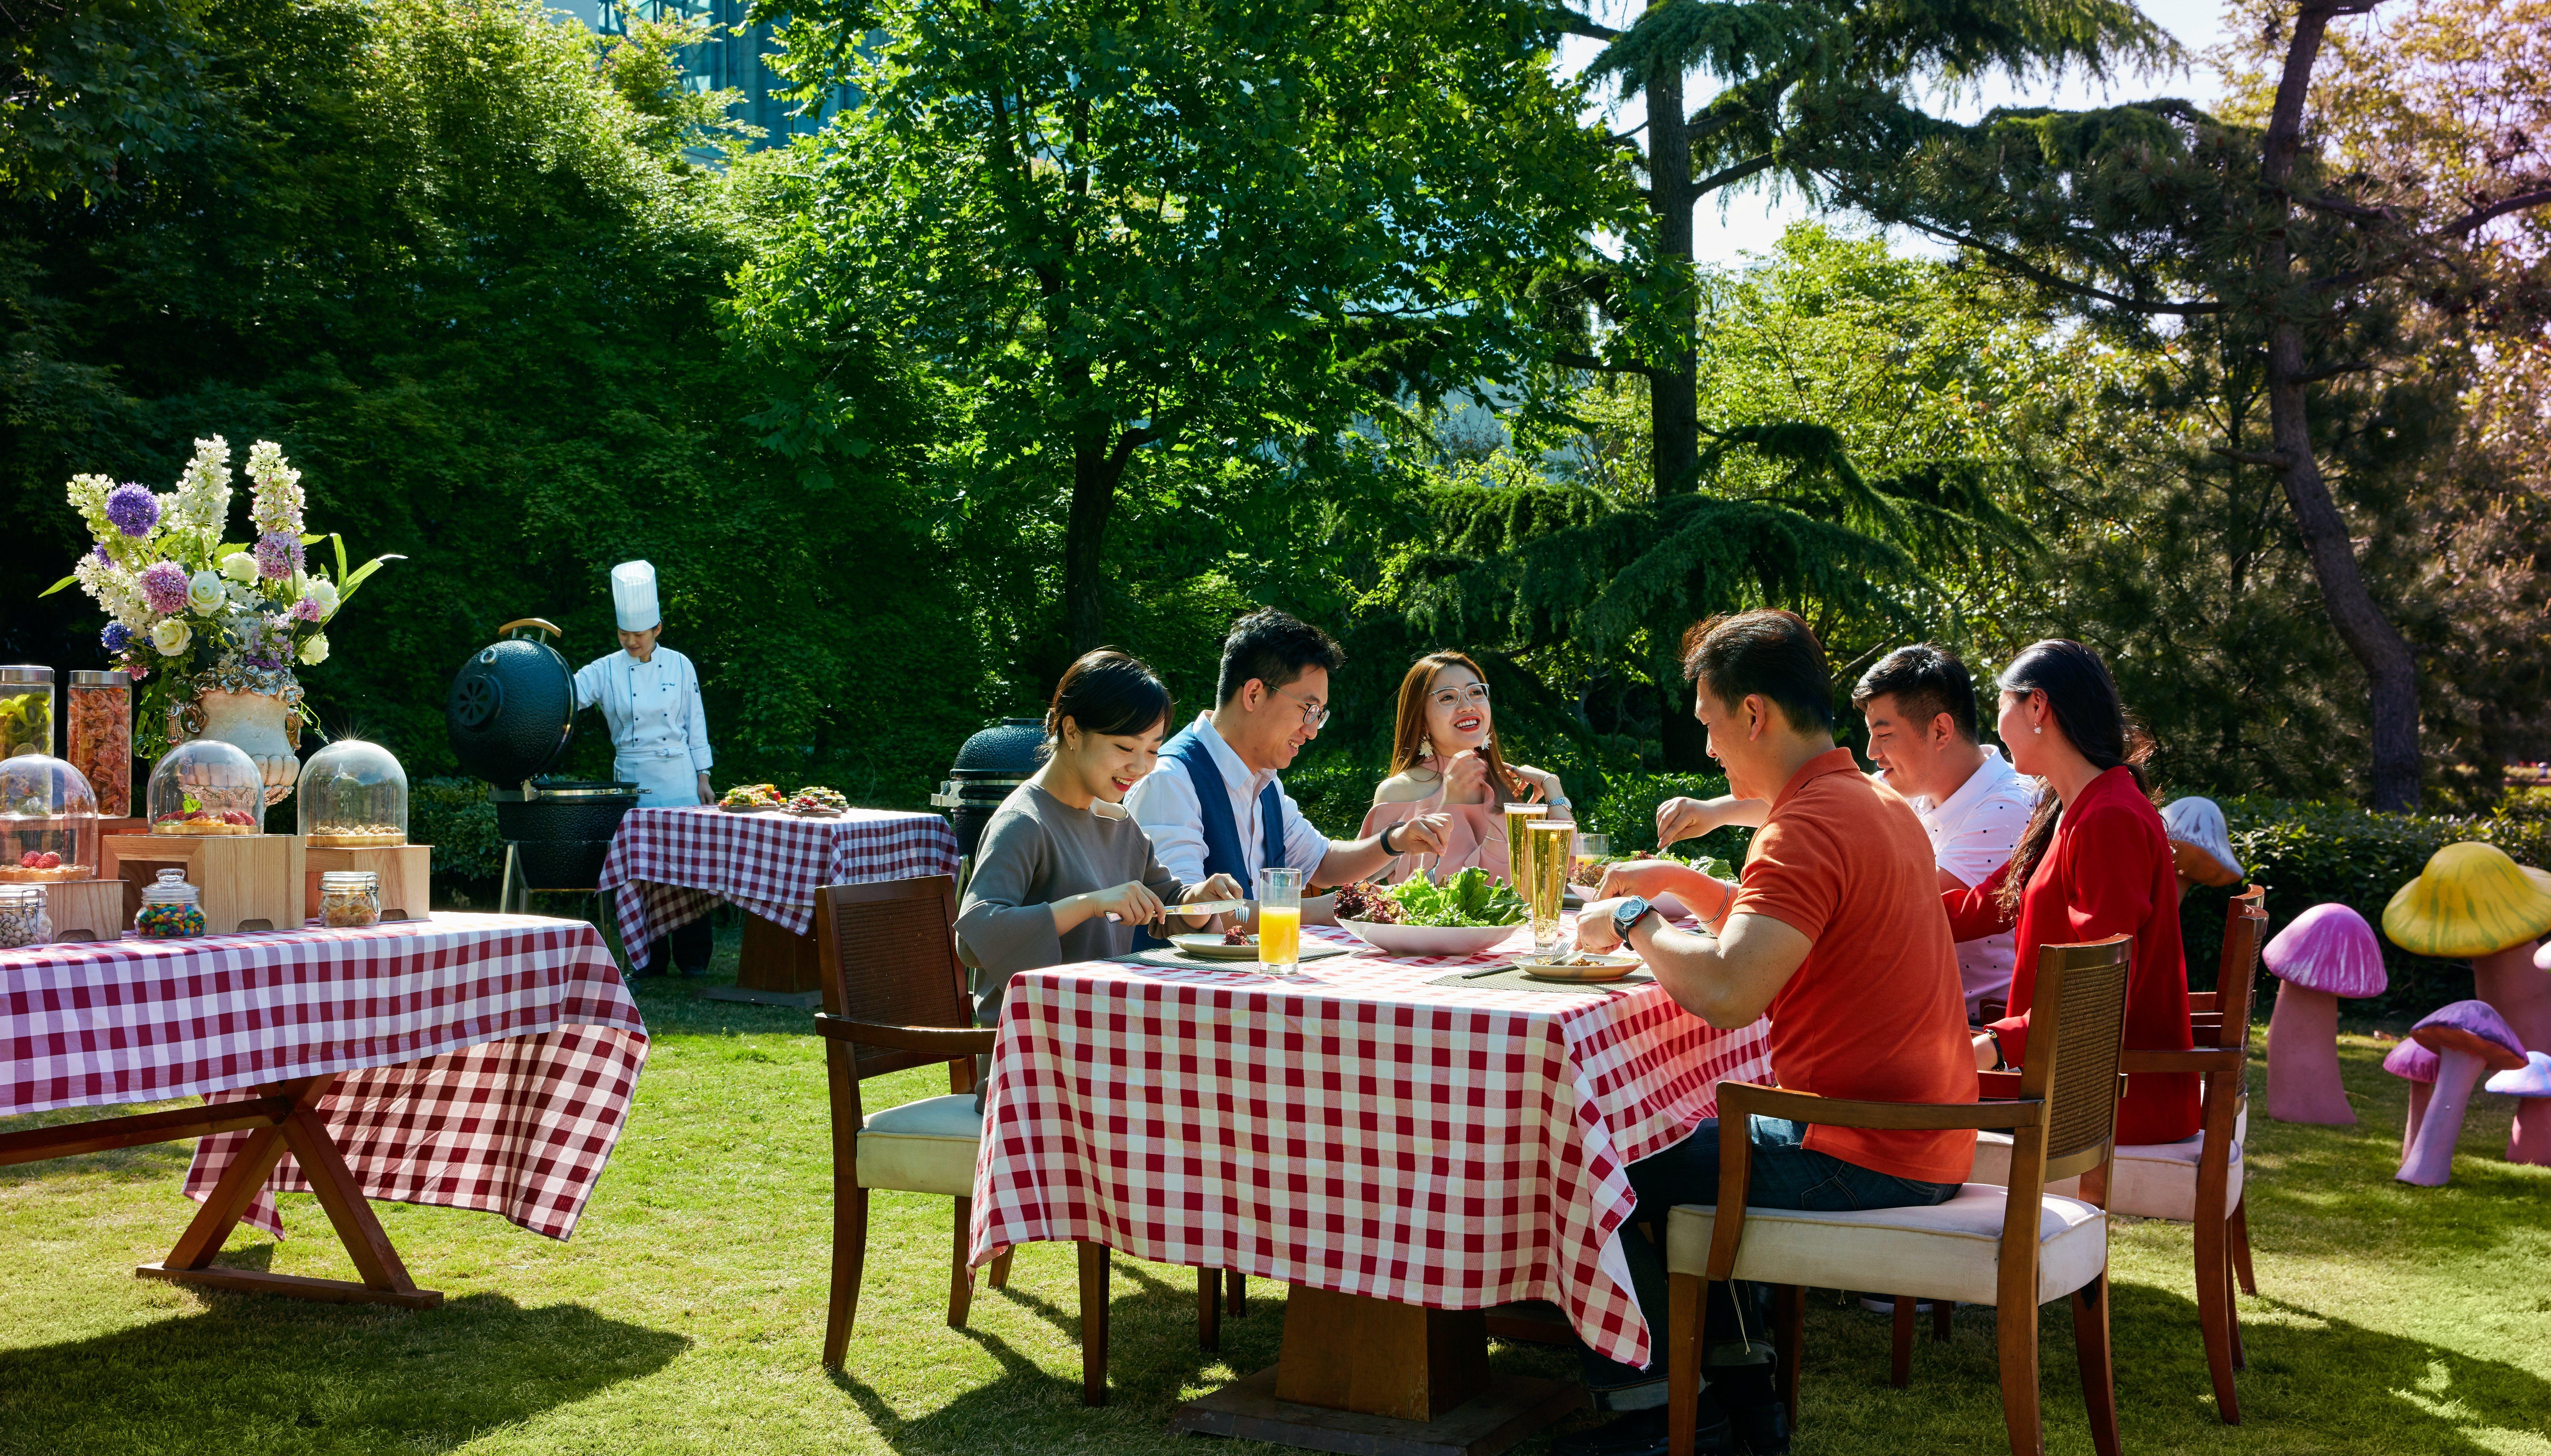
{"type": "Point", "coordinates": [2092, 864]}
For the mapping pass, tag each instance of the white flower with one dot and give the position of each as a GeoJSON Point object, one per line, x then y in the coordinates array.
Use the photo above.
{"type": "Point", "coordinates": [204, 594]}
{"type": "Point", "coordinates": [277, 506]}
{"type": "Point", "coordinates": [88, 494]}
{"type": "Point", "coordinates": [315, 650]}
{"type": "Point", "coordinates": [202, 501]}
{"type": "Point", "coordinates": [324, 592]}
{"type": "Point", "coordinates": [239, 566]}
{"type": "Point", "coordinates": [243, 597]}
{"type": "Point", "coordinates": [172, 636]}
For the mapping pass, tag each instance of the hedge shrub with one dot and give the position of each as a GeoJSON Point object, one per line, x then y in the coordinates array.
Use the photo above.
{"type": "Point", "coordinates": [454, 815]}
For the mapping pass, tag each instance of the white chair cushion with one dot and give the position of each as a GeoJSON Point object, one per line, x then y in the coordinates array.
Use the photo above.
{"type": "Point", "coordinates": [1950, 1251]}
{"type": "Point", "coordinates": [925, 1147]}
{"type": "Point", "coordinates": [2149, 1180]}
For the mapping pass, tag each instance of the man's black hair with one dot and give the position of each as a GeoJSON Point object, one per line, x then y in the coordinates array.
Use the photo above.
{"type": "Point", "coordinates": [1771, 653]}
{"type": "Point", "coordinates": [1274, 648]}
{"type": "Point", "coordinates": [1925, 681]}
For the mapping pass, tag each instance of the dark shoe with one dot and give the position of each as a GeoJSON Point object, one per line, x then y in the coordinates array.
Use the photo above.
{"type": "Point", "coordinates": [1757, 1418]}
{"type": "Point", "coordinates": [1643, 1434]}
{"type": "Point", "coordinates": [695, 973]}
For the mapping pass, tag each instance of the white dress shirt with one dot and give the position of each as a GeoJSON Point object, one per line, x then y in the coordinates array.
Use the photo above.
{"type": "Point", "coordinates": [1165, 803]}
{"type": "Point", "coordinates": [1973, 833]}
{"type": "Point", "coordinates": [659, 737]}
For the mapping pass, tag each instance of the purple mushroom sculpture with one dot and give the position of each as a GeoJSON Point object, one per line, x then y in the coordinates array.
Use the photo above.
{"type": "Point", "coordinates": [2469, 1039]}
{"type": "Point", "coordinates": [2530, 1143]}
{"type": "Point", "coordinates": [2416, 1065]}
{"type": "Point", "coordinates": [2328, 952]}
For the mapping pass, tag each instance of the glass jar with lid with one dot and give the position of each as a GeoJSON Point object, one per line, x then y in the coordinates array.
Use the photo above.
{"type": "Point", "coordinates": [349, 899]}
{"type": "Point", "coordinates": [48, 821]}
{"type": "Point", "coordinates": [354, 796]}
{"type": "Point", "coordinates": [206, 787]}
{"type": "Point", "coordinates": [26, 709]}
{"type": "Point", "coordinates": [97, 737]}
{"type": "Point", "coordinates": [23, 920]}
{"type": "Point", "coordinates": [171, 909]}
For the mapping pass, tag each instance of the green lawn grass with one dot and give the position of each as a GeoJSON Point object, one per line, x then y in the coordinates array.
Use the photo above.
{"type": "Point", "coordinates": [687, 1312]}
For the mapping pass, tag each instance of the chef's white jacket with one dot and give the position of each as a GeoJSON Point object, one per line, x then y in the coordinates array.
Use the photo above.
{"type": "Point", "coordinates": [659, 737]}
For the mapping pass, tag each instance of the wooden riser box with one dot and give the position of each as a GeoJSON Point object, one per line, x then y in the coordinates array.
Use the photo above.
{"type": "Point", "coordinates": [87, 909]}
{"type": "Point", "coordinates": [406, 872]}
{"type": "Point", "coordinates": [245, 878]}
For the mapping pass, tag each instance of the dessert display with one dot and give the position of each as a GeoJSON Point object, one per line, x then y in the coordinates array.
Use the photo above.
{"type": "Point", "coordinates": [23, 920]}
{"type": "Point", "coordinates": [26, 709]}
{"type": "Point", "coordinates": [98, 733]}
{"type": "Point", "coordinates": [352, 795]}
{"type": "Point", "coordinates": [171, 909]}
{"type": "Point", "coordinates": [206, 787]}
{"type": "Point", "coordinates": [349, 899]}
{"type": "Point", "coordinates": [752, 798]}
{"type": "Point", "coordinates": [815, 799]}
{"type": "Point", "coordinates": [48, 821]}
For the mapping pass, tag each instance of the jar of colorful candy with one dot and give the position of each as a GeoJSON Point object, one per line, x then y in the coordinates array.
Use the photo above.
{"type": "Point", "coordinates": [23, 920]}
{"type": "Point", "coordinates": [171, 909]}
{"type": "Point", "coordinates": [349, 897]}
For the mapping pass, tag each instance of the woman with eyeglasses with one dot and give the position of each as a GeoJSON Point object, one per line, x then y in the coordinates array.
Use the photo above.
{"type": "Point", "coordinates": [1445, 760]}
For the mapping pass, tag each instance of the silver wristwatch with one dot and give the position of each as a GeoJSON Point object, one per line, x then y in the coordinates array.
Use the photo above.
{"type": "Point", "coordinates": [1627, 914]}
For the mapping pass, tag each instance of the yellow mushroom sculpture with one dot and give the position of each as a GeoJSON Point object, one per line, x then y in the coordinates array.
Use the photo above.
{"type": "Point", "coordinates": [2474, 902]}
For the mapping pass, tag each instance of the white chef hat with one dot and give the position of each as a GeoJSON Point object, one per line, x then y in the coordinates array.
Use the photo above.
{"type": "Point", "coordinates": [633, 595]}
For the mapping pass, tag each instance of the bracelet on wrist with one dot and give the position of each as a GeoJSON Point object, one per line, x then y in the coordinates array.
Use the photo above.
{"type": "Point", "coordinates": [1385, 841]}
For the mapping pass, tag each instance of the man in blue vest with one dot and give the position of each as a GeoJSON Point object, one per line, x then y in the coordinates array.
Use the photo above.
{"type": "Point", "coordinates": [1214, 805]}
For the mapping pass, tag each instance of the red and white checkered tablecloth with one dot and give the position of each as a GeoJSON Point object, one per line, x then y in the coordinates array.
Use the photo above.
{"type": "Point", "coordinates": [1355, 1131]}
{"type": "Point", "coordinates": [485, 1061]}
{"type": "Point", "coordinates": [670, 866]}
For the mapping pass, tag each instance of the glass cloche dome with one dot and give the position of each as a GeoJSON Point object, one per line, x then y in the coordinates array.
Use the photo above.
{"type": "Point", "coordinates": [207, 787]}
{"type": "Point", "coordinates": [354, 796]}
{"type": "Point", "coordinates": [48, 821]}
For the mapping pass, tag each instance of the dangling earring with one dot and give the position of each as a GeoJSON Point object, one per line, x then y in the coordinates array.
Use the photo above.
{"type": "Point", "coordinates": [2037, 728]}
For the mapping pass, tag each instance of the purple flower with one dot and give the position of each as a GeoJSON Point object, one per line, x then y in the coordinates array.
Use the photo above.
{"type": "Point", "coordinates": [132, 509]}
{"type": "Point", "coordinates": [163, 584]}
{"type": "Point", "coordinates": [139, 671]}
{"type": "Point", "coordinates": [277, 555]}
{"type": "Point", "coordinates": [98, 554]}
{"type": "Point", "coordinates": [306, 610]}
{"type": "Point", "coordinates": [116, 635]}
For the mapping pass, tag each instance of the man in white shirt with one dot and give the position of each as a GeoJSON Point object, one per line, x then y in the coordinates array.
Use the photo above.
{"type": "Point", "coordinates": [1215, 805]}
{"type": "Point", "coordinates": [1920, 704]}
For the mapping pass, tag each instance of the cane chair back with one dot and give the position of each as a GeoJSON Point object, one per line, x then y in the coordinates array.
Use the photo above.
{"type": "Point", "coordinates": [2072, 1057]}
{"type": "Point", "coordinates": [888, 951]}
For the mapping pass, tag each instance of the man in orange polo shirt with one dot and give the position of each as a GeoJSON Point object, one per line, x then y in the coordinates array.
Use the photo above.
{"type": "Point", "coordinates": [1834, 928]}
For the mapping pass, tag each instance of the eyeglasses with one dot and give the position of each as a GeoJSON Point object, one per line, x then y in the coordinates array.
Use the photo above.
{"type": "Point", "coordinates": [1475, 695]}
{"type": "Point", "coordinates": [1314, 716]}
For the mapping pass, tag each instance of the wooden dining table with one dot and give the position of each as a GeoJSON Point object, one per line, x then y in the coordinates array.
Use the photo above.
{"type": "Point", "coordinates": [1410, 1144]}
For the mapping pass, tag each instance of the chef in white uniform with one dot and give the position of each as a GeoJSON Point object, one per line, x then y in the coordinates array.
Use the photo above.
{"type": "Point", "coordinates": [650, 696]}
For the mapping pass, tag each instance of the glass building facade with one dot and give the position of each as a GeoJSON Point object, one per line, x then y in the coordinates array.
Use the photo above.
{"type": "Point", "coordinates": [730, 57]}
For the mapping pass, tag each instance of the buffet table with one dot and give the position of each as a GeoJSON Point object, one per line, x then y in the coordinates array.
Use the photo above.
{"type": "Point", "coordinates": [670, 866]}
{"type": "Point", "coordinates": [1356, 1133]}
{"type": "Point", "coordinates": [468, 1062]}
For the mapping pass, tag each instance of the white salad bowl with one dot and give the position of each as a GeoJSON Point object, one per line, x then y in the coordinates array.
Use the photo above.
{"type": "Point", "coordinates": [1429, 939]}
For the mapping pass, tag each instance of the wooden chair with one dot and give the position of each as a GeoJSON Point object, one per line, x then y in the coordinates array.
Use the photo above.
{"type": "Point", "coordinates": [2014, 1247]}
{"type": "Point", "coordinates": [894, 998]}
{"type": "Point", "coordinates": [2198, 1180]}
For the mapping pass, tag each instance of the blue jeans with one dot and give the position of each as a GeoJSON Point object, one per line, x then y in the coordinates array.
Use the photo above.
{"type": "Point", "coordinates": [1785, 1174]}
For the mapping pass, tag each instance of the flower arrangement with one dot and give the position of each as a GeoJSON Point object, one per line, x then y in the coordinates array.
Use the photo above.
{"type": "Point", "coordinates": [189, 613]}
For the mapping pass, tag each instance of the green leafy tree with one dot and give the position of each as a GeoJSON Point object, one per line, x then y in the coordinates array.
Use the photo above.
{"type": "Point", "coordinates": [1143, 240]}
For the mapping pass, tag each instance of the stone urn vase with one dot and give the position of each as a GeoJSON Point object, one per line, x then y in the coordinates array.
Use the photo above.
{"type": "Point", "coordinates": [264, 725]}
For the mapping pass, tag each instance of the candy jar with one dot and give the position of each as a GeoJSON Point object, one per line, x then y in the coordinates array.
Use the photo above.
{"type": "Point", "coordinates": [48, 821]}
{"type": "Point", "coordinates": [23, 920]}
{"type": "Point", "coordinates": [207, 787]}
{"type": "Point", "coordinates": [97, 726]}
{"type": "Point", "coordinates": [352, 795]}
{"type": "Point", "coordinates": [171, 909]}
{"type": "Point", "coordinates": [26, 709]}
{"type": "Point", "coordinates": [349, 899]}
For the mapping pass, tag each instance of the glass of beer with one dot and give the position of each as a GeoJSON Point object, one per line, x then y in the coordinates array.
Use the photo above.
{"type": "Point", "coordinates": [1546, 889]}
{"type": "Point", "coordinates": [1279, 921]}
{"type": "Point", "coordinates": [1518, 847]}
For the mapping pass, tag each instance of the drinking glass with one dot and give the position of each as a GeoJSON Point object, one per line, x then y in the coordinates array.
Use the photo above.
{"type": "Point", "coordinates": [1552, 855]}
{"type": "Point", "coordinates": [1592, 847]}
{"type": "Point", "coordinates": [1279, 921]}
{"type": "Point", "coordinates": [1518, 847]}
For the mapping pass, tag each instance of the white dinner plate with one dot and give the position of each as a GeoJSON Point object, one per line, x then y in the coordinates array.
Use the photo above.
{"type": "Point", "coordinates": [1208, 946]}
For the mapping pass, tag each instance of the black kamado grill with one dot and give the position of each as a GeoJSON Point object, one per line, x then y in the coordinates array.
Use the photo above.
{"type": "Point", "coordinates": [990, 765]}
{"type": "Point", "coordinates": [512, 715]}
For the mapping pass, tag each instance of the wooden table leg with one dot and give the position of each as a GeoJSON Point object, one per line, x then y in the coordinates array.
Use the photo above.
{"type": "Point", "coordinates": [305, 1135]}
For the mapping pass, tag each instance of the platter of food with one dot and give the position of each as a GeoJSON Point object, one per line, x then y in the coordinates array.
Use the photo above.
{"type": "Point", "coordinates": [204, 821]}
{"type": "Point", "coordinates": [752, 798]}
{"type": "Point", "coordinates": [41, 866]}
{"type": "Point", "coordinates": [1218, 945]}
{"type": "Point", "coordinates": [817, 801]}
{"type": "Point", "coordinates": [1578, 965]}
{"type": "Point", "coordinates": [1463, 915]}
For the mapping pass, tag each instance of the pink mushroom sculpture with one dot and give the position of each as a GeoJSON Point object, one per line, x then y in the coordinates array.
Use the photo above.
{"type": "Point", "coordinates": [2530, 1143]}
{"type": "Point", "coordinates": [2416, 1065]}
{"type": "Point", "coordinates": [2469, 1040]}
{"type": "Point", "coordinates": [2326, 953]}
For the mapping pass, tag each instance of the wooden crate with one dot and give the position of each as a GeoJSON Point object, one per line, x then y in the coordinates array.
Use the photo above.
{"type": "Point", "coordinates": [406, 872]}
{"type": "Point", "coordinates": [245, 878]}
{"type": "Point", "coordinates": [87, 909]}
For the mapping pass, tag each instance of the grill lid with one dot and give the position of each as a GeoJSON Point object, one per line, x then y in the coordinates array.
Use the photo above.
{"type": "Point", "coordinates": [1006, 750]}
{"type": "Point", "coordinates": [511, 709]}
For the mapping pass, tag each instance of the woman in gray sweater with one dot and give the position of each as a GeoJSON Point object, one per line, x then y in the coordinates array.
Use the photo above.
{"type": "Point", "coordinates": [1061, 854]}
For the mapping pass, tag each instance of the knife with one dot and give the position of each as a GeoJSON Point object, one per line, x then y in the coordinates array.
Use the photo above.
{"type": "Point", "coordinates": [1204, 906]}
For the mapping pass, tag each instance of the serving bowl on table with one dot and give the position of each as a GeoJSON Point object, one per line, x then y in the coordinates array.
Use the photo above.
{"type": "Point", "coordinates": [1428, 939]}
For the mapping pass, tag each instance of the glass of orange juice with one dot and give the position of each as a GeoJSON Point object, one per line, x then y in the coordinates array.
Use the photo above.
{"type": "Point", "coordinates": [1279, 921]}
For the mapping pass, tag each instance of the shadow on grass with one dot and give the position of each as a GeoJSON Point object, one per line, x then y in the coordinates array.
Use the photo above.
{"type": "Point", "coordinates": [255, 1373]}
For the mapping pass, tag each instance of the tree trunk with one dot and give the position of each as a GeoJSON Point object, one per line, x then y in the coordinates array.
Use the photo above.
{"type": "Point", "coordinates": [1096, 469]}
{"type": "Point", "coordinates": [2391, 672]}
{"type": "Point", "coordinates": [1674, 408]}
